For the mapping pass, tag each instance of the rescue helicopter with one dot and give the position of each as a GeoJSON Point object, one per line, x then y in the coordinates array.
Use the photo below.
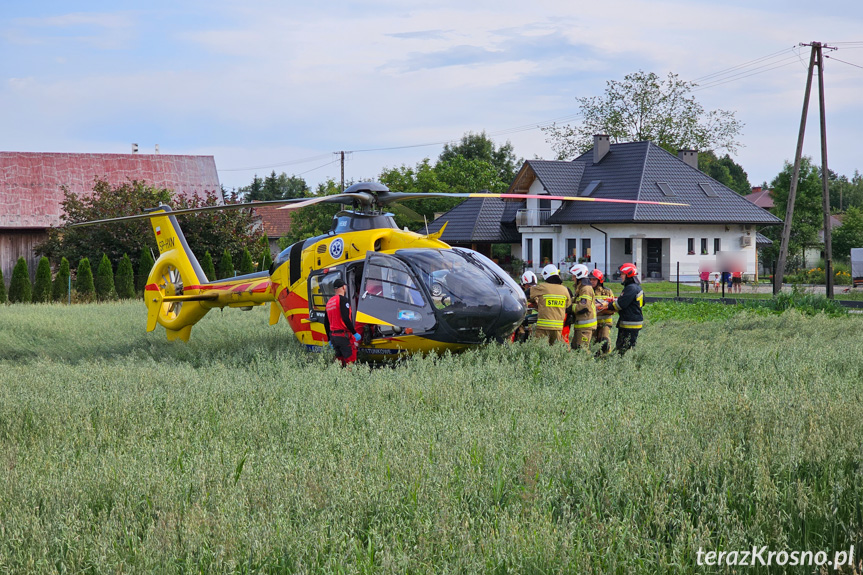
{"type": "Point", "coordinates": [409, 292]}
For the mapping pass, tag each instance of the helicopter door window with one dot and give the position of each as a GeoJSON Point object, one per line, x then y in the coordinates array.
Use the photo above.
{"type": "Point", "coordinates": [391, 294]}
{"type": "Point", "coordinates": [320, 291]}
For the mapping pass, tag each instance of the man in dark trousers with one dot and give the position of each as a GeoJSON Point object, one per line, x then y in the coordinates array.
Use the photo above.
{"type": "Point", "coordinates": [340, 328]}
{"type": "Point", "coordinates": [629, 305]}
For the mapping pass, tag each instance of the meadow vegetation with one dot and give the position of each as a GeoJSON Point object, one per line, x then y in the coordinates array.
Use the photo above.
{"type": "Point", "coordinates": [239, 452]}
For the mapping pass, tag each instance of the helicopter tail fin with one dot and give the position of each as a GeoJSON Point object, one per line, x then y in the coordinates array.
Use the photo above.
{"type": "Point", "coordinates": [173, 292]}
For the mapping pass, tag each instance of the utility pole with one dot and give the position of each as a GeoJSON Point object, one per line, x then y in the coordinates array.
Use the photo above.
{"type": "Point", "coordinates": [779, 274]}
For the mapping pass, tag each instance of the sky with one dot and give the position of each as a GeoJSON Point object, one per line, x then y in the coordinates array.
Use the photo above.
{"type": "Point", "coordinates": [282, 85]}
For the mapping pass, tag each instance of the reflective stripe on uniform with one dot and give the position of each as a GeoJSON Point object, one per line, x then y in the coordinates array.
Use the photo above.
{"type": "Point", "coordinates": [605, 321]}
{"type": "Point", "coordinates": [550, 323]}
{"type": "Point", "coordinates": [585, 324]}
{"type": "Point", "coordinates": [555, 301]}
{"type": "Point", "coordinates": [630, 324]}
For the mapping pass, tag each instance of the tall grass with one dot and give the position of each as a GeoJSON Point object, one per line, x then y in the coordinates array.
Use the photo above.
{"type": "Point", "coordinates": [239, 452]}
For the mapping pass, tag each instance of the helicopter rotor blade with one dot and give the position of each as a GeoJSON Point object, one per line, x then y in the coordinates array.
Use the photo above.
{"type": "Point", "coordinates": [391, 197]}
{"type": "Point", "coordinates": [363, 198]}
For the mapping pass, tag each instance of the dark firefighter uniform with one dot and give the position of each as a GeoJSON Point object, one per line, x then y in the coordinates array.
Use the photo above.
{"type": "Point", "coordinates": [584, 316]}
{"type": "Point", "coordinates": [340, 329]}
{"type": "Point", "coordinates": [602, 335]}
{"type": "Point", "coordinates": [552, 300]}
{"type": "Point", "coordinates": [628, 306]}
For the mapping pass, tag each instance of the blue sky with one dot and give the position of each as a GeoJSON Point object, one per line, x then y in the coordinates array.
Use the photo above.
{"type": "Point", "coordinates": [281, 85]}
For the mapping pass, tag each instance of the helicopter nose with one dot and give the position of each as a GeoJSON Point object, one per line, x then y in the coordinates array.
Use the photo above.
{"type": "Point", "coordinates": [512, 312]}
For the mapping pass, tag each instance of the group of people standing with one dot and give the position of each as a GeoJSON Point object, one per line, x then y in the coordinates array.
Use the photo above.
{"type": "Point", "coordinates": [588, 310]}
{"type": "Point", "coordinates": [733, 280]}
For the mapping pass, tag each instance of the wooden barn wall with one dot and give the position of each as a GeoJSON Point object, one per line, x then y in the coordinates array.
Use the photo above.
{"type": "Point", "coordinates": [15, 244]}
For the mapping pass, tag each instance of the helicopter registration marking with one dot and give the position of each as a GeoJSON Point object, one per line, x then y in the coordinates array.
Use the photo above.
{"type": "Point", "coordinates": [165, 245]}
{"type": "Point", "coordinates": [555, 301]}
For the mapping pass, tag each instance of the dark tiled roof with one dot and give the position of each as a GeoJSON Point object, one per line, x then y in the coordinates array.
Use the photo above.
{"type": "Point", "coordinates": [631, 171]}
{"type": "Point", "coordinates": [762, 240]}
{"type": "Point", "coordinates": [558, 178]}
{"type": "Point", "coordinates": [479, 220]}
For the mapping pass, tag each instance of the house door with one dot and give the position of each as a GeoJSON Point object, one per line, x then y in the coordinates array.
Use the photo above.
{"type": "Point", "coordinates": [654, 258]}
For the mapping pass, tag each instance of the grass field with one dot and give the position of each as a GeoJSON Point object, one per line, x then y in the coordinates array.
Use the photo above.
{"type": "Point", "coordinates": [238, 452]}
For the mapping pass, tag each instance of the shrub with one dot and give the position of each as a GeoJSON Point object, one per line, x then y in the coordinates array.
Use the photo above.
{"type": "Point", "coordinates": [145, 265]}
{"type": "Point", "coordinates": [125, 283]}
{"type": "Point", "coordinates": [226, 266]}
{"type": "Point", "coordinates": [42, 287]}
{"type": "Point", "coordinates": [2, 288]}
{"type": "Point", "coordinates": [105, 280]}
{"type": "Point", "coordinates": [266, 260]}
{"type": "Point", "coordinates": [60, 287]}
{"type": "Point", "coordinates": [808, 304]}
{"type": "Point", "coordinates": [208, 267]}
{"type": "Point", "coordinates": [84, 280]}
{"type": "Point", "coordinates": [20, 290]}
{"type": "Point", "coordinates": [246, 264]}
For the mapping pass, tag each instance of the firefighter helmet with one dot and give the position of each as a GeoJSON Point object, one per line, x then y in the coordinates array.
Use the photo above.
{"type": "Point", "coordinates": [579, 271]}
{"type": "Point", "coordinates": [597, 275]}
{"type": "Point", "coordinates": [628, 270]}
{"type": "Point", "coordinates": [528, 277]}
{"type": "Point", "coordinates": [548, 271]}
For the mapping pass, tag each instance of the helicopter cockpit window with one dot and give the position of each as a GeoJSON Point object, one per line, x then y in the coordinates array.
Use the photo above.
{"type": "Point", "coordinates": [394, 283]}
{"type": "Point", "coordinates": [454, 280]}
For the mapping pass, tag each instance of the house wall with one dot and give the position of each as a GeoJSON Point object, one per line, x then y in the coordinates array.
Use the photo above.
{"type": "Point", "coordinates": [674, 246]}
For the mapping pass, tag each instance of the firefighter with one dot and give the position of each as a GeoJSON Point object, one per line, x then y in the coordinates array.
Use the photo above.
{"type": "Point", "coordinates": [552, 299]}
{"type": "Point", "coordinates": [583, 309]}
{"type": "Point", "coordinates": [522, 332]}
{"type": "Point", "coordinates": [528, 280]}
{"type": "Point", "coordinates": [339, 327]}
{"type": "Point", "coordinates": [628, 306]}
{"type": "Point", "coordinates": [604, 298]}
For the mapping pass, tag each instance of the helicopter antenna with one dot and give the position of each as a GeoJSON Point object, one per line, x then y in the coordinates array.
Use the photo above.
{"type": "Point", "coordinates": [427, 224]}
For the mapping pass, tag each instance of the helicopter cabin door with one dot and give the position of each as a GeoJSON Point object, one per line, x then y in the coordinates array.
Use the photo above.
{"type": "Point", "coordinates": [392, 299]}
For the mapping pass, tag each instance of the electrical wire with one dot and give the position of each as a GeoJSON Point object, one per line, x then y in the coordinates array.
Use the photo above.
{"type": "Point", "coordinates": [747, 73]}
{"type": "Point", "coordinates": [843, 61]}
{"type": "Point", "coordinates": [745, 64]}
{"type": "Point", "coordinates": [287, 163]}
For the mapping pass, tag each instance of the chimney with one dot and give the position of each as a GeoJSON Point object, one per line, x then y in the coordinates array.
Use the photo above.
{"type": "Point", "coordinates": [600, 147]}
{"type": "Point", "coordinates": [756, 189]}
{"type": "Point", "coordinates": [689, 156]}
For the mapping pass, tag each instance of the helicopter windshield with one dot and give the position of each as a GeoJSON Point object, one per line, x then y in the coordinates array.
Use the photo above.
{"type": "Point", "coordinates": [453, 279]}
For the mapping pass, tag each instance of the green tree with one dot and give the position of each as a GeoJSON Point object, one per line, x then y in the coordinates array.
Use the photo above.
{"type": "Point", "coordinates": [125, 283]}
{"type": "Point", "coordinates": [266, 260]}
{"type": "Point", "coordinates": [481, 147]}
{"type": "Point", "coordinates": [808, 214]}
{"type": "Point", "coordinates": [845, 193]}
{"type": "Point", "coordinates": [84, 280]}
{"type": "Point", "coordinates": [145, 265]}
{"type": "Point", "coordinates": [849, 234]}
{"type": "Point", "coordinates": [2, 288]}
{"type": "Point", "coordinates": [644, 107]}
{"type": "Point", "coordinates": [273, 187]}
{"type": "Point", "coordinates": [254, 191]}
{"type": "Point", "coordinates": [226, 266]}
{"type": "Point", "coordinates": [247, 266]}
{"type": "Point", "coordinates": [105, 280]}
{"type": "Point", "coordinates": [313, 220]}
{"type": "Point", "coordinates": [208, 267]}
{"type": "Point", "coordinates": [20, 289]}
{"type": "Point", "coordinates": [725, 171]}
{"type": "Point", "coordinates": [42, 286]}
{"type": "Point", "coordinates": [60, 287]}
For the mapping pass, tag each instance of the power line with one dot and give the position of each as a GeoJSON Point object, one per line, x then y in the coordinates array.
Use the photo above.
{"type": "Point", "coordinates": [287, 163]}
{"type": "Point", "coordinates": [844, 62]}
{"type": "Point", "coordinates": [747, 73]}
{"type": "Point", "coordinates": [745, 64]}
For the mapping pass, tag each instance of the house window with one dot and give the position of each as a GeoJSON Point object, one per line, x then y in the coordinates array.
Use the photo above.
{"type": "Point", "coordinates": [585, 249]}
{"type": "Point", "coordinates": [627, 246]}
{"type": "Point", "coordinates": [528, 252]}
{"type": "Point", "coordinates": [546, 251]}
{"type": "Point", "coordinates": [704, 246]}
{"type": "Point", "coordinates": [717, 245]}
{"type": "Point", "coordinates": [690, 246]}
{"type": "Point", "coordinates": [571, 251]}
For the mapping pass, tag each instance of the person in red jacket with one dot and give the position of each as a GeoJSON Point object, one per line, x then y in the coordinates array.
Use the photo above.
{"type": "Point", "coordinates": [339, 326]}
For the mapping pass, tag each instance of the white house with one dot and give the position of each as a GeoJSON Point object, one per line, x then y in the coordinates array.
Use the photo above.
{"type": "Point", "coordinates": [716, 221]}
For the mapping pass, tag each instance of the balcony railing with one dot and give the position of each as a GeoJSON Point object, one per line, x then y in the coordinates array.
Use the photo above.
{"type": "Point", "coordinates": [532, 217]}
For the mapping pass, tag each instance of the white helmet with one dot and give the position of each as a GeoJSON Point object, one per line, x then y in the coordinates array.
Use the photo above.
{"type": "Point", "coordinates": [528, 277]}
{"type": "Point", "coordinates": [579, 271]}
{"type": "Point", "coordinates": [548, 271]}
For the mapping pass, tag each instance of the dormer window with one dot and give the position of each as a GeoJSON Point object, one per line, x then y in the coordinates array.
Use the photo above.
{"type": "Point", "coordinates": [591, 187]}
{"type": "Point", "coordinates": [708, 190]}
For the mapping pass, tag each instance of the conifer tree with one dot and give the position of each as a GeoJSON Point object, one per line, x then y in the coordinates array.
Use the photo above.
{"type": "Point", "coordinates": [246, 264]}
{"type": "Point", "coordinates": [20, 290]}
{"type": "Point", "coordinates": [2, 288]}
{"type": "Point", "coordinates": [105, 280]}
{"type": "Point", "coordinates": [42, 287]}
{"type": "Point", "coordinates": [145, 265]}
{"type": "Point", "coordinates": [208, 267]}
{"type": "Point", "coordinates": [226, 265]}
{"type": "Point", "coordinates": [125, 283]}
{"type": "Point", "coordinates": [60, 288]}
{"type": "Point", "coordinates": [84, 280]}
